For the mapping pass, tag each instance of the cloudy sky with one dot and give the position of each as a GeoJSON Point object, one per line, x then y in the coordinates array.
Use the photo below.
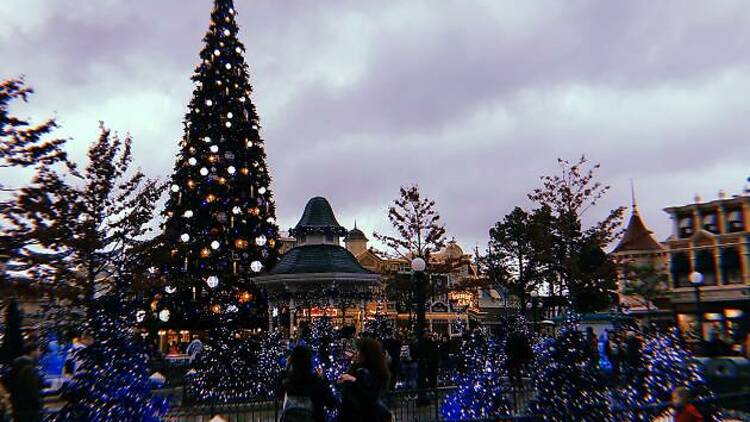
{"type": "Point", "coordinates": [473, 100]}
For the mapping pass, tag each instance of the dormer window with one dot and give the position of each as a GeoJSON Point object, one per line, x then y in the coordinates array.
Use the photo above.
{"type": "Point", "coordinates": [710, 223]}
{"type": "Point", "coordinates": [734, 221]}
{"type": "Point", "coordinates": [686, 227]}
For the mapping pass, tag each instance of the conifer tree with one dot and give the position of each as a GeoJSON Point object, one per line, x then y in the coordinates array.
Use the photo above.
{"type": "Point", "coordinates": [220, 227]}
{"type": "Point", "coordinates": [220, 219]}
{"type": "Point", "coordinates": [112, 382]}
{"type": "Point", "coordinates": [567, 381]}
{"type": "Point", "coordinates": [482, 389]}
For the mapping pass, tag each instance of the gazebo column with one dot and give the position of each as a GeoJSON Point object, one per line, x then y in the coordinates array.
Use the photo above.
{"type": "Point", "coordinates": [292, 312]}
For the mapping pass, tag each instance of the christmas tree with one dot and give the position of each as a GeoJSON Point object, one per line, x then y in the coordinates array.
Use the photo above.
{"type": "Point", "coordinates": [220, 226]}
{"type": "Point", "coordinates": [483, 391]}
{"type": "Point", "coordinates": [270, 364]}
{"type": "Point", "coordinates": [568, 384]}
{"type": "Point", "coordinates": [664, 364]}
{"type": "Point", "coordinates": [380, 326]}
{"type": "Point", "coordinates": [223, 373]}
{"type": "Point", "coordinates": [112, 382]}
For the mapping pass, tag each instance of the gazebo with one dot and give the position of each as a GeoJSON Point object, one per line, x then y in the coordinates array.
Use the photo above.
{"type": "Point", "coordinates": [319, 277]}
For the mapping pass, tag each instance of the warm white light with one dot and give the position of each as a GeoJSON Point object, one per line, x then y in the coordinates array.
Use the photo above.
{"type": "Point", "coordinates": [170, 289]}
{"type": "Point", "coordinates": [228, 124]}
{"type": "Point", "coordinates": [207, 139]}
{"type": "Point", "coordinates": [228, 66]}
{"type": "Point", "coordinates": [140, 315]}
{"type": "Point", "coordinates": [230, 115]}
{"type": "Point", "coordinates": [192, 161]}
{"type": "Point", "coordinates": [204, 171]}
{"type": "Point", "coordinates": [209, 103]}
{"type": "Point", "coordinates": [175, 188]}
{"type": "Point", "coordinates": [260, 240]}
{"type": "Point", "coordinates": [256, 266]}
{"type": "Point", "coordinates": [226, 32]}
{"type": "Point", "coordinates": [231, 170]}
{"type": "Point", "coordinates": [212, 281]}
{"type": "Point", "coordinates": [217, 52]}
{"type": "Point", "coordinates": [164, 315]}
{"type": "Point", "coordinates": [236, 209]}
{"type": "Point", "coordinates": [214, 148]}
{"type": "Point", "coordinates": [261, 190]}
{"type": "Point", "coordinates": [188, 213]}
{"type": "Point", "coordinates": [185, 237]}
{"type": "Point", "coordinates": [215, 244]}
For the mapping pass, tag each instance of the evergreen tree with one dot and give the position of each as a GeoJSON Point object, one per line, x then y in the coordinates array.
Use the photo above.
{"type": "Point", "coordinates": [380, 326]}
{"type": "Point", "coordinates": [13, 340]}
{"type": "Point", "coordinates": [568, 384]}
{"type": "Point", "coordinates": [482, 380]}
{"type": "Point", "coordinates": [112, 382]}
{"type": "Point", "coordinates": [220, 226]}
{"type": "Point", "coordinates": [22, 145]}
{"type": "Point", "coordinates": [223, 373]}
{"type": "Point", "coordinates": [663, 365]}
{"type": "Point", "coordinates": [270, 366]}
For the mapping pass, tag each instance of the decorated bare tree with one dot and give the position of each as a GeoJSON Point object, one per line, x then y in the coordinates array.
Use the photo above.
{"type": "Point", "coordinates": [416, 222]}
{"type": "Point", "coordinates": [581, 268]}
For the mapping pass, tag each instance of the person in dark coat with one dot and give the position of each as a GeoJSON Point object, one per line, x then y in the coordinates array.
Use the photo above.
{"type": "Point", "coordinates": [303, 385]}
{"type": "Point", "coordinates": [363, 388]}
{"type": "Point", "coordinates": [26, 385]}
{"type": "Point", "coordinates": [392, 345]}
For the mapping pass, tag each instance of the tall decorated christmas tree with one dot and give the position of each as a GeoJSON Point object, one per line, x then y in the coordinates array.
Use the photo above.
{"type": "Point", "coordinates": [220, 227]}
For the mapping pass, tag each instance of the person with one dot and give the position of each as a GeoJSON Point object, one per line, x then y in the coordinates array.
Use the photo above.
{"type": "Point", "coordinates": [194, 348]}
{"type": "Point", "coordinates": [392, 346]}
{"type": "Point", "coordinates": [432, 360]}
{"type": "Point", "coordinates": [25, 385]}
{"type": "Point", "coordinates": [173, 349]}
{"type": "Point", "coordinates": [363, 388]}
{"type": "Point", "coordinates": [5, 407]}
{"type": "Point", "coordinates": [684, 410]}
{"type": "Point", "coordinates": [72, 359]}
{"type": "Point", "coordinates": [306, 392]}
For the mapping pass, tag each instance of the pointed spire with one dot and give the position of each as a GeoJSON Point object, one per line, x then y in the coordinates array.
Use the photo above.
{"type": "Point", "coordinates": [634, 208]}
{"type": "Point", "coordinates": [355, 224]}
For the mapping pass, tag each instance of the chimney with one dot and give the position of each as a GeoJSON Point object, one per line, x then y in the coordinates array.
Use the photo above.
{"type": "Point", "coordinates": [722, 194]}
{"type": "Point", "coordinates": [697, 198]}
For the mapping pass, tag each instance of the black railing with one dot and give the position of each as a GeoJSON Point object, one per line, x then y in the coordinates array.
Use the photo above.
{"type": "Point", "coordinates": [426, 406]}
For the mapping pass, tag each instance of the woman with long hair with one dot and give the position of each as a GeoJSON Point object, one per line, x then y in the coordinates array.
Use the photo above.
{"type": "Point", "coordinates": [306, 392]}
{"type": "Point", "coordinates": [363, 388]}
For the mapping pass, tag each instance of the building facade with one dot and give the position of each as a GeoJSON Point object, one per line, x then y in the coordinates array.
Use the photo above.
{"type": "Point", "coordinates": [712, 238]}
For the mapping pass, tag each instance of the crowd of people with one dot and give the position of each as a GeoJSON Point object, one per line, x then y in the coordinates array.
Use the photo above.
{"type": "Point", "coordinates": [28, 377]}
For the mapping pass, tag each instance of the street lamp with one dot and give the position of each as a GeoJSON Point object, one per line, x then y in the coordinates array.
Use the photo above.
{"type": "Point", "coordinates": [534, 298]}
{"type": "Point", "coordinates": [696, 279]}
{"type": "Point", "coordinates": [418, 266]}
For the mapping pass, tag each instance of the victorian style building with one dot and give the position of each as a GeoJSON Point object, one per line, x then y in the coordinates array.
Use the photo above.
{"type": "Point", "coordinates": [712, 238]}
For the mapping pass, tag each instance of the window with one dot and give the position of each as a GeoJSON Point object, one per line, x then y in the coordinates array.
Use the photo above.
{"type": "Point", "coordinates": [685, 227]}
{"type": "Point", "coordinates": [705, 264]}
{"type": "Point", "coordinates": [710, 223]}
{"type": "Point", "coordinates": [680, 268]}
{"type": "Point", "coordinates": [734, 221]}
{"type": "Point", "coordinates": [730, 266]}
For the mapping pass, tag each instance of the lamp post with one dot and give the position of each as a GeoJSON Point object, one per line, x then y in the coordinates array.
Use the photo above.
{"type": "Point", "coordinates": [696, 279]}
{"type": "Point", "coordinates": [418, 266]}
{"type": "Point", "coordinates": [534, 298]}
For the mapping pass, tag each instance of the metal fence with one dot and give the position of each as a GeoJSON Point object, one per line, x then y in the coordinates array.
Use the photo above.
{"type": "Point", "coordinates": [425, 406]}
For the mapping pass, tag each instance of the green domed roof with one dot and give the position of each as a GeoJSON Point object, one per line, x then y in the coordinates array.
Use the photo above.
{"type": "Point", "coordinates": [318, 217]}
{"type": "Point", "coordinates": [321, 258]}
